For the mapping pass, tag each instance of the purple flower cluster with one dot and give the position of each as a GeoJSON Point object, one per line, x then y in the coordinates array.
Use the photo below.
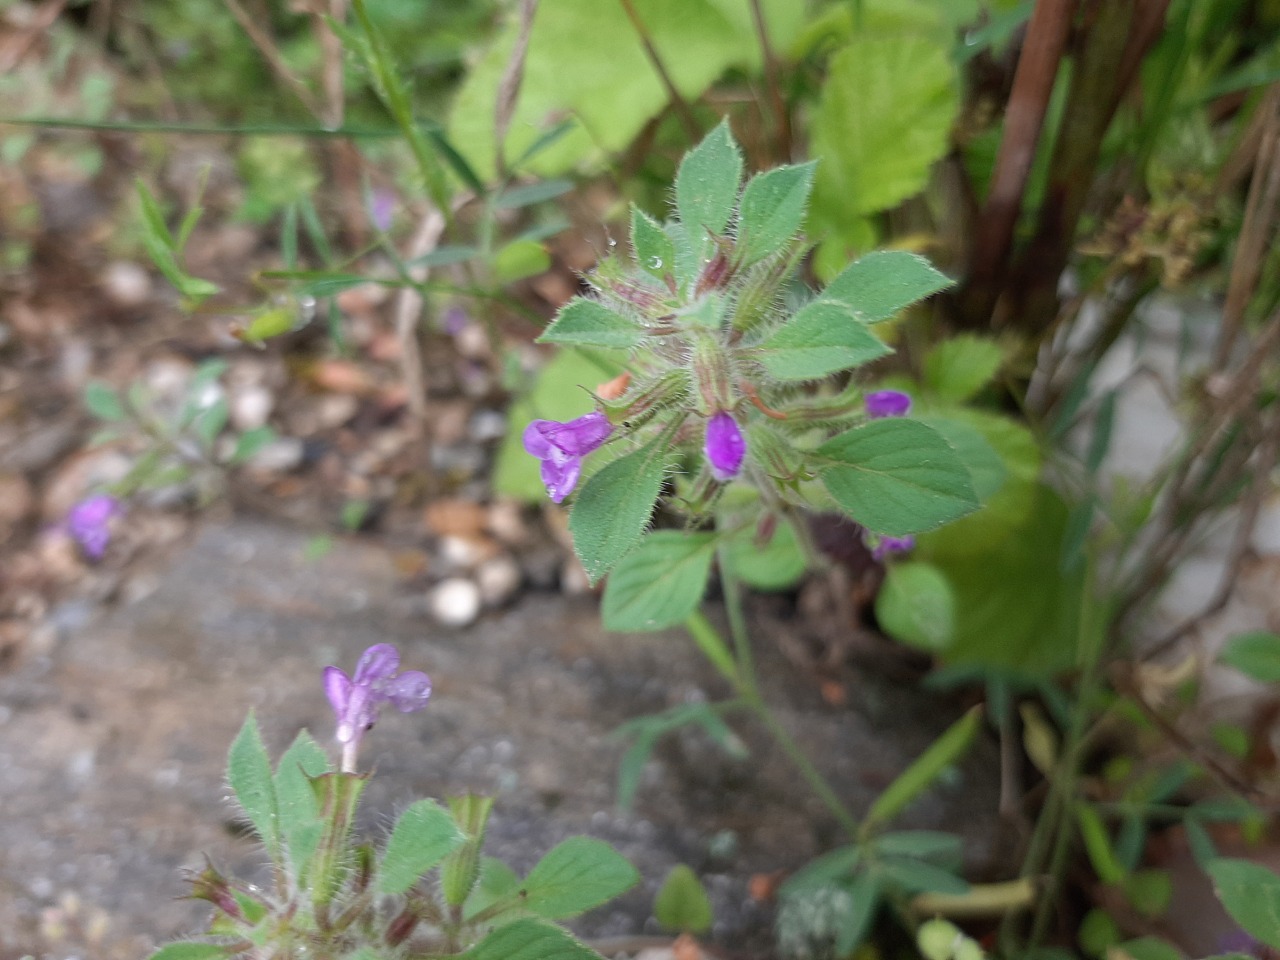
{"type": "Point", "coordinates": [883, 547]}
{"type": "Point", "coordinates": [88, 523]}
{"type": "Point", "coordinates": [724, 447]}
{"type": "Point", "coordinates": [357, 699]}
{"type": "Point", "coordinates": [561, 447]}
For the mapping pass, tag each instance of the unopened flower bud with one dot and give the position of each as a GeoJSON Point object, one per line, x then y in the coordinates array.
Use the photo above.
{"type": "Point", "coordinates": [888, 403]}
{"type": "Point", "coordinates": [725, 447]}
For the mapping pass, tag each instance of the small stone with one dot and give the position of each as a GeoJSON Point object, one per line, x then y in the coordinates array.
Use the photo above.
{"type": "Point", "coordinates": [454, 517]}
{"type": "Point", "coordinates": [126, 284]}
{"type": "Point", "coordinates": [455, 602]}
{"type": "Point", "coordinates": [251, 407]}
{"type": "Point", "coordinates": [472, 342]}
{"type": "Point", "coordinates": [487, 425]}
{"type": "Point", "coordinates": [505, 520]}
{"type": "Point", "coordinates": [573, 578]}
{"type": "Point", "coordinates": [467, 551]}
{"type": "Point", "coordinates": [279, 456]}
{"type": "Point", "coordinates": [498, 579]}
{"type": "Point", "coordinates": [335, 409]}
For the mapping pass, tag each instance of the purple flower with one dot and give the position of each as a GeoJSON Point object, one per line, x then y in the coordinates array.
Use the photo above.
{"type": "Point", "coordinates": [382, 207]}
{"type": "Point", "coordinates": [356, 700]}
{"type": "Point", "coordinates": [725, 448]}
{"type": "Point", "coordinates": [887, 403]}
{"type": "Point", "coordinates": [89, 523]}
{"type": "Point", "coordinates": [561, 447]}
{"type": "Point", "coordinates": [883, 547]}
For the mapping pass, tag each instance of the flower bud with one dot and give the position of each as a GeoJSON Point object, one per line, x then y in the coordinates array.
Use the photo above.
{"type": "Point", "coordinates": [888, 403]}
{"type": "Point", "coordinates": [725, 447]}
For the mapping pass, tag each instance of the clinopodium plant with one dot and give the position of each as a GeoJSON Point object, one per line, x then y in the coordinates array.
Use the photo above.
{"type": "Point", "coordinates": [737, 379]}
{"type": "Point", "coordinates": [426, 892]}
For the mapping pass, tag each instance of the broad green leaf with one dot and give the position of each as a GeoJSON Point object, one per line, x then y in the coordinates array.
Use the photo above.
{"type": "Point", "coordinates": [921, 845]}
{"type": "Point", "coordinates": [772, 211]}
{"type": "Point", "coordinates": [529, 940]}
{"type": "Point", "coordinates": [296, 801]}
{"type": "Point", "coordinates": [916, 876]}
{"type": "Point", "coordinates": [613, 507]}
{"type": "Point", "coordinates": [896, 476]}
{"type": "Point", "coordinates": [959, 367]}
{"type": "Point", "coordinates": [559, 393]}
{"type": "Point", "coordinates": [659, 583]}
{"type": "Point", "coordinates": [707, 187]}
{"type": "Point", "coordinates": [578, 874]}
{"type": "Point", "coordinates": [879, 285]}
{"type": "Point", "coordinates": [655, 253]}
{"type": "Point", "coordinates": [682, 904]}
{"type": "Point", "coordinates": [423, 836]}
{"type": "Point", "coordinates": [884, 117]}
{"type": "Point", "coordinates": [823, 337]}
{"type": "Point", "coordinates": [776, 565]}
{"type": "Point", "coordinates": [1251, 894]}
{"type": "Point", "coordinates": [103, 402]}
{"type": "Point", "coordinates": [916, 606]}
{"type": "Point", "coordinates": [249, 772]}
{"type": "Point", "coordinates": [830, 869]}
{"type": "Point", "coordinates": [986, 469]}
{"type": "Point", "coordinates": [925, 769]}
{"type": "Point", "coordinates": [1255, 654]}
{"type": "Point", "coordinates": [191, 951]}
{"type": "Point", "coordinates": [497, 883]}
{"type": "Point", "coordinates": [583, 322]}
{"type": "Point", "coordinates": [520, 259]}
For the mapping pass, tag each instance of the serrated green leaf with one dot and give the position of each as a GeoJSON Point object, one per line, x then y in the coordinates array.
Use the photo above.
{"type": "Point", "coordinates": [588, 323]}
{"type": "Point", "coordinates": [103, 402]}
{"type": "Point", "coordinates": [659, 583]}
{"type": "Point", "coordinates": [613, 507]}
{"type": "Point", "coordinates": [423, 836]}
{"type": "Point", "coordinates": [1255, 654]}
{"type": "Point", "coordinates": [959, 367]}
{"type": "Point", "coordinates": [576, 875]}
{"type": "Point", "coordinates": [772, 211]}
{"type": "Point", "coordinates": [776, 565]}
{"type": "Point", "coordinates": [655, 253]}
{"type": "Point", "coordinates": [682, 904]}
{"type": "Point", "coordinates": [296, 801]}
{"type": "Point", "coordinates": [707, 186]}
{"type": "Point", "coordinates": [249, 772]}
{"type": "Point", "coordinates": [879, 285]}
{"type": "Point", "coordinates": [823, 338]}
{"type": "Point", "coordinates": [916, 606]}
{"type": "Point", "coordinates": [530, 940]}
{"type": "Point", "coordinates": [1251, 894]}
{"type": "Point", "coordinates": [896, 477]}
{"type": "Point", "coordinates": [925, 769]}
{"type": "Point", "coordinates": [191, 950]}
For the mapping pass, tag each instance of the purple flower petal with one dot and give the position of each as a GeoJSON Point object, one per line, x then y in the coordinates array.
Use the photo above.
{"type": "Point", "coordinates": [409, 691]}
{"type": "Point", "coordinates": [581, 436]}
{"type": "Point", "coordinates": [535, 440]}
{"type": "Point", "coordinates": [560, 476]}
{"type": "Point", "coordinates": [561, 447]}
{"type": "Point", "coordinates": [337, 687]}
{"type": "Point", "coordinates": [379, 662]}
{"type": "Point", "coordinates": [887, 403]}
{"type": "Point", "coordinates": [725, 447]}
{"type": "Point", "coordinates": [883, 547]}
{"type": "Point", "coordinates": [89, 523]}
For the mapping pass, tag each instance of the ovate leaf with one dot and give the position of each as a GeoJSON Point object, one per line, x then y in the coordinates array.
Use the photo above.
{"type": "Point", "coordinates": [660, 582]}
{"type": "Point", "coordinates": [655, 253]}
{"type": "Point", "coordinates": [529, 940]}
{"type": "Point", "coordinates": [824, 337]}
{"type": "Point", "coordinates": [682, 903]}
{"type": "Point", "coordinates": [772, 211]}
{"type": "Point", "coordinates": [882, 283]}
{"type": "Point", "coordinates": [775, 565]}
{"type": "Point", "coordinates": [249, 772]}
{"type": "Point", "coordinates": [423, 836]}
{"type": "Point", "coordinates": [916, 606]}
{"type": "Point", "coordinates": [613, 507]}
{"type": "Point", "coordinates": [1251, 894]}
{"type": "Point", "coordinates": [1255, 654]}
{"type": "Point", "coordinates": [958, 368]}
{"type": "Point", "coordinates": [575, 876]}
{"type": "Point", "coordinates": [296, 802]}
{"type": "Point", "coordinates": [585, 322]}
{"type": "Point", "coordinates": [707, 186]}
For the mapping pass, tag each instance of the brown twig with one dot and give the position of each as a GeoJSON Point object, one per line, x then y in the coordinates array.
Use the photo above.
{"type": "Point", "coordinates": [651, 52]}
{"type": "Point", "coordinates": [407, 312]}
{"type": "Point", "coordinates": [509, 87]}
{"type": "Point", "coordinates": [275, 61]}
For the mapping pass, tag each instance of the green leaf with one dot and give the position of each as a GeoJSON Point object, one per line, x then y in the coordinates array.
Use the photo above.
{"type": "Point", "coordinates": [1150, 891]}
{"type": "Point", "coordinates": [1203, 849]}
{"type": "Point", "coordinates": [882, 283]}
{"type": "Point", "coordinates": [659, 583]}
{"type": "Point", "coordinates": [520, 259]}
{"type": "Point", "coordinates": [1255, 654]}
{"type": "Point", "coordinates": [865, 891]}
{"type": "Point", "coordinates": [926, 768]}
{"type": "Point", "coordinates": [707, 186]}
{"type": "Point", "coordinates": [611, 511]}
{"type": "Point", "coordinates": [896, 476]}
{"type": "Point", "coordinates": [824, 337]}
{"type": "Point", "coordinates": [956, 369]}
{"type": "Point", "coordinates": [208, 423]}
{"type": "Point", "coordinates": [655, 253]}
{"type": "Point", "coordinates": [921, 845]}
{"type": "Point", "coordinates": [296, 801]}
{"type": "Point", "coordinates": [529, 940]}
{"type": "Point", "coordinates": [1097, 844]}
{"type": "Point", "coordinates": [583, 322]}
{"type": "Point", "coordinates": [190, 950]}
{"type": "Point", "coordinates": [270, 322]}
{"type": "Point", "coordinates": [103, 402]}
{"type": "Point", "coordinates": [772, 211]}
{"type": "Point", "coordinates": [884, 117]}
{"type": "Point", "coordinates": [576, 875]}
{"type": "Point", "coordinates": [497, 883]}
{"type": "Point", "coordinates": [1251, 894]}
{"type": "Point", "coordinates": [985, 466]}
{"type": "Point", "coordinates": [461, 869]}
{"type": "Point", "coordinates": [445, 256]}
{"type": "Point", "coordinates": [423, 836]}
{"type": "Point", "coordinates": [682, 904]}
{"type": "Point", "coordinates": [712, 645]}
{"type": "Point", "coordinates": [532, 193]}
{"type": "Point", "coordinates": [249, 443]}
{"type": "Point", "coordinates": [1098, 932]}
{"type": "Point", "coordinates": [249, 772]}
{"type": "Point", "coordinates": [1145, 948]}
{"type": "Point", "coordinates": [916, 876]}
{"type": "Point", "coordinates": [916, 606]}
{"type": "Point", "coordinates": [827, 870]}
{"type": "Point", "coordinates": [776, 565]}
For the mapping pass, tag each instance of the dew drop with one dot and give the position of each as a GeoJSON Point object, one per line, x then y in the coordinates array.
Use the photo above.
{"type": "Point", "coordinates": [655, 263]}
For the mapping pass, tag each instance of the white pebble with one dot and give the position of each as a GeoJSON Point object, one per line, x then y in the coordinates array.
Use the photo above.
{"type": "Point", "coordinates": [499, 579]}
{"type": "Point", "coordinates": [455, 602]}
{"type": "Point", "coordinates": [126, 284]}
{"type": "Point", "coordinates": [250, 408]}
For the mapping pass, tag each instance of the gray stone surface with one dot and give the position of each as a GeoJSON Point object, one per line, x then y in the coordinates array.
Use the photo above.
{"type": "Point", "coordinates": [112, 742]}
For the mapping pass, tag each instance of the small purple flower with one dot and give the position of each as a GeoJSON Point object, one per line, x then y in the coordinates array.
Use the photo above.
{"type": "Point", "coordinates": [89, 523]}
{"type": "Point", "coordinates": [382, 207]}
{"type": "Point", "coordinates": [882, 547]}
{"type": "Point", "coordinates": [561, 447]}
{"type": "Point", "coordinates": [725, 447]}
{"type": "Point", "coordinates": [356, 700]}
{"type": "Point", "coordinates": [887, 403]}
